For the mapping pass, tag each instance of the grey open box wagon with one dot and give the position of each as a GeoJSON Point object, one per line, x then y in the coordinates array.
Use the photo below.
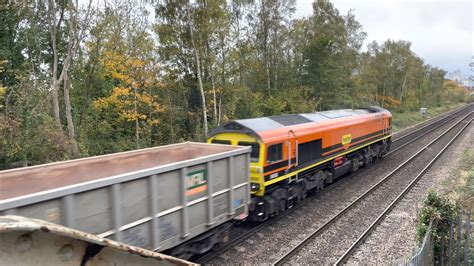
{"type": "Point", "coordinates": [156, 198]}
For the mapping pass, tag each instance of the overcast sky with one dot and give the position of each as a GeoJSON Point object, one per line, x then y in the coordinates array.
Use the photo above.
{"type": "Point", "coordinates": [441, 32]}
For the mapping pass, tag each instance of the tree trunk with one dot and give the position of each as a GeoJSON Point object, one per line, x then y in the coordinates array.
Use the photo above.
{"type": "Point", "coordinates": [171, 116]}
{"type": "Point", "coordinates": [55, 83]}
{"type": "Point", "coordinates": [135, 109]}
{"type": "Point", "coordinates": [239, 45]}
{"type": "Point", "coordinates": [222, 84]}
{"type": "Point", "coordinates": [266, 44]}
{"type": "Point", "coordinates": [268, 77]}
{"type": "Point", "coordinates": [383, 94]}
{"type": "Point", "coordinates": [198, 70]}
{"type": "Point", "coordinates": [70, 123]}
{"type": "Point", "coordinates": [220, 111]}
{"type": "Point", "coordinates": [213, 95]}
{"type": "Point", "coordinates": [403, 86]}
{"type": "Point", "coordinates": [57, 117]}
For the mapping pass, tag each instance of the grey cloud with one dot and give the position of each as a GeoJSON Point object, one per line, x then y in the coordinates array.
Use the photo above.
{"type": "Point", "coordinates": [441, 32]}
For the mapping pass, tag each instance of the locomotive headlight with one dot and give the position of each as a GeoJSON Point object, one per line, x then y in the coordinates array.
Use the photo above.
{"type": "Point", "coordinates": [254, 186]}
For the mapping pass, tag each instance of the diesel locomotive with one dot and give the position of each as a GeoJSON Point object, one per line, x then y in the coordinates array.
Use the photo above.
{"type": "Point", "coordinates": [297, 153]}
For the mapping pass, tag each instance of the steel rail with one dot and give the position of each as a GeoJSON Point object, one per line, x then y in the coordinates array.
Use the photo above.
{"type": "Point", "coordinates": [214, 253]}
{"type": "Point", "coordinates": [234, 242]}
{"type": "Point", "coordinates": [448, 119]}
{"type": "Point", "coordinates": [450, 114]}
{"type": "Point", "coordinates": [336, 217]}
{"type": "Point", "coordinates": [431, 126]}
{"type": "Point", "coordinates": [369, 229]}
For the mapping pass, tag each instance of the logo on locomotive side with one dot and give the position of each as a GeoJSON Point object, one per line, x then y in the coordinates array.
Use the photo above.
{"type": "Point", "coordinates": [196, 182]}
{"type": "Point", "coordinates": [346, 140]}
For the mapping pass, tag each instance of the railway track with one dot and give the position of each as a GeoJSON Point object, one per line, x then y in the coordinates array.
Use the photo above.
{"type": "Point", "coordinates": [243, 232]}
{"type": "Point", "coordinates": [407, 131]}
{"type": "Point", "coordinates": [402, 141]}
{"type": "Point", "coordinates": [349, 215]}
{"type": "Point", "coordinates": [400, 196]}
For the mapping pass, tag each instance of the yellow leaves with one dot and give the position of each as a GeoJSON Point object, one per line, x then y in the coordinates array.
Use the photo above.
{"type": "Point", "coordinates": [132, 115]}
{"type": "Point", "coordinates": [134, 72]}
{"type": "Point", "coordinates": [130, 71]}
{"type": "Point", "coordinates": [3, 90]}
{"type": "Point", "coordinates": [130, 105]}
{"type": "Point", "coordinates": [117, 75]}
{"type": "Point", "coordinates": [116, 66]}
{"type": "Point", "coordinates": [453, 86]}
{"type": "Point", "coordinates": [135, 63]}
{"type": "Point", "coordinates": [154, 122]}
{"type": "Point", "coordinates": [389, 101]}
{"type": "Point", "coordinates": [116, 99]}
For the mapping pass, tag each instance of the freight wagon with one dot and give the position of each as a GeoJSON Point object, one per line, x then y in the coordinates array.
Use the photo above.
{"type": "Point", "coordinates": [297, 153]}
{"type": "Point", "coordinates": [179, 198]}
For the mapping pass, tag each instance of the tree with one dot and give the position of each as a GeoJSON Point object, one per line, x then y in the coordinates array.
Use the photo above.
{"type": "Point", "coordinates": [270, 22]}
{"type": "Point", "coordinates": [331, 56]}
{"type": "Point", "coordinates": [94, 77]}
{"type": "Point", "coordinates": [198, 74]}
{"type": "Point", "coordinates": [189, 36]}
{"type": "Point", "coordinates": [391, 75]}
{"type": "Point", "coordinates": [57, 14]}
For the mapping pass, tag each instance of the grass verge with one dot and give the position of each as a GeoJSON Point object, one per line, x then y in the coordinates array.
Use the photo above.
{"type": "Point", "coordinates": [403, 120]}
{"type": "Point", "coordinates": [461, 188]}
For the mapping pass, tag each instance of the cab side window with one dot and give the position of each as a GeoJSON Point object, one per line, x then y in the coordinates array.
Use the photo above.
{"type": "Point", "coordinates": [255, 154]}
{"type": "Point", "coordinates": [275, 153]}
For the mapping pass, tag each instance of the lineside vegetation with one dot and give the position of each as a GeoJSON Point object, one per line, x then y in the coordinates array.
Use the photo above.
{"type": "Point", "coordinates": [83, 78]}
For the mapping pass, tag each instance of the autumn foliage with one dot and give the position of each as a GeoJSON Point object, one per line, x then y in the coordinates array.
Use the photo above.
{"type": "Point", "coordinates": [146, 73]}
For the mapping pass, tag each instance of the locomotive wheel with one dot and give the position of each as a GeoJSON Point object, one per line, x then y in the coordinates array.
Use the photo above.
{"type": "Point", "coordinates": [329, 178]}
{"type": "Point", "coordinates": [320, 185]}
{"type": "Point", "coordinates": [354, 165]}
{"type": "Point", "coordinates": [300, 191]}
{"type": "Point", "coordinates": [281, 197]}
{"type": "Point", "coordinates": [281, 206]}
{"type": "Point", "coordinates": [303, 193]}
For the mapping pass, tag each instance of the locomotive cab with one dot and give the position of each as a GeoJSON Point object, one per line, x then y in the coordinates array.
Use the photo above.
{"type": "Point", "coordinates": [256, 156]}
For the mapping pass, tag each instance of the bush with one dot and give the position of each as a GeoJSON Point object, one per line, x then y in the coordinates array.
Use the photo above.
{"type": "Point", "coordinates": [441, 211]}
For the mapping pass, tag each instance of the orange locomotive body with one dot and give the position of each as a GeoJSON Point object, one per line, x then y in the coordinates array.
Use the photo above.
{"type": "Point", "coordinates": [294, 154]}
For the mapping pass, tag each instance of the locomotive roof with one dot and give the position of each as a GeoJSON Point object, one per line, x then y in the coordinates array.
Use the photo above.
{"type": "Point", "coordinates": [253, 126]}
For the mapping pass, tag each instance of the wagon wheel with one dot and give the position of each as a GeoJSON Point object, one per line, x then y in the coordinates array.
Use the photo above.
{"type": "Point", "coordinates": [185, 255]}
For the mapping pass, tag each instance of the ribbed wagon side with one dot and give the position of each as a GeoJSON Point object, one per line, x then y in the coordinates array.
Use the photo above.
{"type": "Point", "coordinates": [181, 196]}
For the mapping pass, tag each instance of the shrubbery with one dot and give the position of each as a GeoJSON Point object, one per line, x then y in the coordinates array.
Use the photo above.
{"type": "Point", "coordinates": [441, 211]}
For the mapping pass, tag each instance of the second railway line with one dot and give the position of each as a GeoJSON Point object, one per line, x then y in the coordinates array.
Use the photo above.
{"type": "Point", "coordinates": [329, 242]}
